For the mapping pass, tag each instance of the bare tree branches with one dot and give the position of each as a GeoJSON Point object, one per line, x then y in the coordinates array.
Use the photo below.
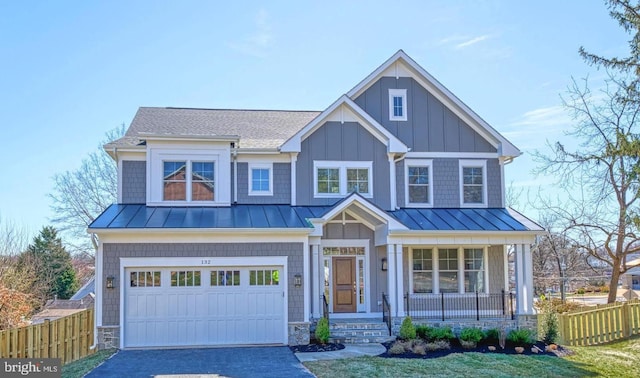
{"type": "Point", "coordinates": [79, 196]}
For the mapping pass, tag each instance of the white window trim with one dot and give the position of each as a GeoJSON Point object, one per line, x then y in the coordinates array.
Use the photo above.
{"type": "Point", "coordinates": [418, 163]}
{"type": "Point", "coordinates": [436, 268]}
{"type": "Point", "coordinates": [342, 166]}
{"type": "Point", "coordinates": [253, 166]}
{"type": "Point", "coordinates": [189, 181]}
{"type": "Point", "coordinates": [473, 164]}
{"type": "Point", "coordinates": [405, 108]}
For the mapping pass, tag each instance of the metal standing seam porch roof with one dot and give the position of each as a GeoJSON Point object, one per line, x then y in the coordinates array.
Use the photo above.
{"type": "Point", "coordinates": [130, 216]}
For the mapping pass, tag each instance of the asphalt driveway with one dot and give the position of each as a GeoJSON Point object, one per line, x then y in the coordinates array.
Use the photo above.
{"type": "Point", "coordinates": [225, 362]}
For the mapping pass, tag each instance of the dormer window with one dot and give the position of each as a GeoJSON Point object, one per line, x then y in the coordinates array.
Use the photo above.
{"type": "Point", "coordinates": [178, 187]}
{"type": "Point", "coordinates": [397, 104]}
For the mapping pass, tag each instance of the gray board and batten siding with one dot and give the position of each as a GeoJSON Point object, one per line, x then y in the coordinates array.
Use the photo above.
{"type": "Point", "coordinates": [444, 131]}
{"type": "Point", "coordinates": [342, 142]}
{"type": "Point", "coordinates": [114, 252]}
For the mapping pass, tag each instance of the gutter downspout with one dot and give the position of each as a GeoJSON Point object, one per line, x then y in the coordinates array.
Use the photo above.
{"type": "Point", "coordinates": [235, 175]}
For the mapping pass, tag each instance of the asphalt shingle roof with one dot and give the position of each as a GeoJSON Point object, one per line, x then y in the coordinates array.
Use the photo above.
{"type": "Point", "coordinates": [255, 128]}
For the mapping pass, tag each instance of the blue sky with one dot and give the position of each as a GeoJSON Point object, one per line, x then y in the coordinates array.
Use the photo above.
{"type": "Point", "coordinates": [72, 70]}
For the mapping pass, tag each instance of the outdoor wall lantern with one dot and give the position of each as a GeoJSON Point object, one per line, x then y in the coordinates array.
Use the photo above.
{"type": "Point", "coordinates": [297, 280]}
{"type": "Point", "coordinates": [384, 264]}
{"type": "Point", "coordinates": [110, 284]}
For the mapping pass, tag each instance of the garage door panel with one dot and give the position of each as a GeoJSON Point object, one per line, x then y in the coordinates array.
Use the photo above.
{"type": "Point", "coordinates": [230, 312]}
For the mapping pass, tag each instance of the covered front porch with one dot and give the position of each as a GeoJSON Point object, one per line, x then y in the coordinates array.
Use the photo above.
{"type": "Point", "coordinates": [437, 264]}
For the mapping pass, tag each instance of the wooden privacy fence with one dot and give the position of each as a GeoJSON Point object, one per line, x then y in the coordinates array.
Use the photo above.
{"type": "Point", "coordinates": [601, 324]}
{"type": "Point", "coordinates": [67, 338]}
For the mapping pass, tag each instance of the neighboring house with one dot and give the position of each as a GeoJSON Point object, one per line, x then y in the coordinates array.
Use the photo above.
{"type": "Point", "coordinates": [58, 308]}
{"type": "Point", "coordinates": [631, 280]}
{"type": "Point", "coordinates": [396, 187]}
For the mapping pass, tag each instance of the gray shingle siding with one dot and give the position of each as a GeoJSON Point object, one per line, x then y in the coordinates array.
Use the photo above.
{"type": "Point", "coordinates": [281, 185]}
{"type": "Point", "coordinates": [446, 183]}
{"type": "Point", "coordinates": [134, 181]}
{"type": "Point", "coordinates": [113, 252]}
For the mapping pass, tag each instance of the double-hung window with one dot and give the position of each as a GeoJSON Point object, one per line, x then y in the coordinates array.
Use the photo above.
{"type": "Point", "coordinates": [418, 183]}
{"type": "Point", "coordinates": [422, 271]}
{"type": "Point", "coordinates": [448, 270]}
{"type": "Point", "coordinates": [397, 104]}
{"type": "Point", "coordinates": [260, 179]}
{"type": "Point", "coordinates": [338, 178]}
{"type": "Point", "coordinates": [188, 180]}
{"type": "Point", "coordinates": [473, 183]}
{"type": "Point", "coordinates": [474, 270]}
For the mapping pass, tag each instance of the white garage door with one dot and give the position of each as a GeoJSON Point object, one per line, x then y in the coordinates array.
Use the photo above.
{"type": "Point", "coordinates": [194, 306]}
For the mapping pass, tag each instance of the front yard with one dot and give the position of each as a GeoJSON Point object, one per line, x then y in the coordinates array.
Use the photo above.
{"type": "Point", "coordinates": [618, 359]}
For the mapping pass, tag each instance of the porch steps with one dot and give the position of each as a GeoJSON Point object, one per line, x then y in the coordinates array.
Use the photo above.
{"type": "Point", "coordinates": [358, 332]}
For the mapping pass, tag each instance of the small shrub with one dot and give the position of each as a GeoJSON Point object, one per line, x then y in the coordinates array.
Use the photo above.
{"type": "Point", "coordinates": [322, 331]}
{"type": "Point", "coordinates": [468, 344]}
{"type": "Point", "coordinates": [520, 337]}
{"type": "Point", "coordinates": [396, 348]}
{"type": "Point", "coordinates": [438, 345]}
{"type": "Point", "coordinates": [407, 330]}
{"type": "Point", "coordinates": [441, 333]}
{"type": "Point", "coordinates": [422, 331]}
{"type": "Point", "coordinates": [492, 335]}
{"type": "Point", "coordinates": [471, 334]}
{"type": "Point", "coordinates": [604, 289]}
{"type": "Point", "coordinates": [580, 291]}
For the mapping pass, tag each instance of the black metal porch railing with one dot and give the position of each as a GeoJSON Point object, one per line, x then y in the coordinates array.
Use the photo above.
{"type": "Point", "coordinates": [325, 307]}
{"type": "Point", "coordinates": [386, 312]}
{"type": "Point", "coordinates": [445, 306]}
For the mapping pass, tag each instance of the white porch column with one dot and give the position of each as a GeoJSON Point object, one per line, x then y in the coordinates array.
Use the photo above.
{"type": "Point", "coordinates": [391, 278]}
{"type": "Point", "coordinates": [524, 279]}
{"type": "Point", "coordinates": [505, 251]}
{"type": "Point", "coordinates": [316, 285]}
{"type": "Point", "coordinates": [399, 280]}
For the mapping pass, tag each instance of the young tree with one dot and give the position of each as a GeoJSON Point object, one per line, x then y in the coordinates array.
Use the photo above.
{"type": "Point", "coordinates": [54, 275]}
{"type": "Point", "coordinates": [600, 218]}
{"type": "Point", "coordinates": [79, 196]}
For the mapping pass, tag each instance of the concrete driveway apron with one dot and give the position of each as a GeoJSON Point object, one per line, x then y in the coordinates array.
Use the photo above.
{"type": "Point", "coordinates": [203, 362]}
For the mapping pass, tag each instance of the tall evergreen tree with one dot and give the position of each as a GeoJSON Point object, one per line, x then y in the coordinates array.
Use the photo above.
{"type": "Point", "coordinates": [54, 276]}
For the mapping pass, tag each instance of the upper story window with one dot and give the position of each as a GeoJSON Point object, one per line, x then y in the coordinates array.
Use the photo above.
{"type": "Point", "coordinates": [418, 183]}
{"type": "Point", "coordinates": [188, 181]}
{"type": "Point", "coordinates": [260, 179]}
{"type": "Point", "coordinates": [473, 183]}
{"type": "Point", "coordinates": [397, 104]}
{"type": "Point", "coordinates": [338, 178]}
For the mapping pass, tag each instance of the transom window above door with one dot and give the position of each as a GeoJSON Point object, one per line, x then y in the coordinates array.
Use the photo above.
{"type": "Point", "coordinates": [339, 178]}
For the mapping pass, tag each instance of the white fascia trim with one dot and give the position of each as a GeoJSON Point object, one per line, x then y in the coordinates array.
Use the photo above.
{"type": "Point", "coordinates": [189, 138]}
{"type": "Point", "coordinates": [372, 210]}
{"type": "Point", "coordinates": [342, 167]}
{"type": "Point", "coordinates": [452, 155]}
{"type": "Point", "coordinates": [443, 94]}
{"type": "Point", "coordinates": [164, 238]}
{"type": "Point", "coordinates": [259, 165]}
{"type": "Point", "coordinates": [393, 144]}
{"type": "Point", "coordinates": [417, 163]}
{"type": "Point", "coordinates": [485, 195]}
{"type": "Point", "coordinates": [528, 223]}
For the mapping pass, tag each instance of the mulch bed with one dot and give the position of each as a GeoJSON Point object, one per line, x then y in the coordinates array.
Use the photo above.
{"type": "Point", "coordinates": [313, 347]}
{"type": "Point", "coordinates": [481, 348]}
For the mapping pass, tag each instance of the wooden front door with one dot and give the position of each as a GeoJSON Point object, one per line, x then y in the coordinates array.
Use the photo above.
{"type": "Point", "coordinates": [344, 284]}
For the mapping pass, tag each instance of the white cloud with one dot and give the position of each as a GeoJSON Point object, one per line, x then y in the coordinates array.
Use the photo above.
{"type": "Point", "coordinates": [535, 126]}
{"type": "Point", "coordinates": [472, 41]}
{"type": "Point", "coordinates": [257, 43]}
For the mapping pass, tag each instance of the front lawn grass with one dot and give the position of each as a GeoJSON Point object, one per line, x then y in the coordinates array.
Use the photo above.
{"type": "Point", "coordinates": [77, 369]}
{"type": "Point", "coordinates": [619, 359]}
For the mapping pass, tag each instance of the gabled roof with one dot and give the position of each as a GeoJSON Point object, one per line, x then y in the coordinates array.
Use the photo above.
{"type": "Point", "coordinates": [343, 104]}
{"type": "Point", "coordinates": [401, 63]}
{"type": "Point", "coordinates": [254, 128]}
